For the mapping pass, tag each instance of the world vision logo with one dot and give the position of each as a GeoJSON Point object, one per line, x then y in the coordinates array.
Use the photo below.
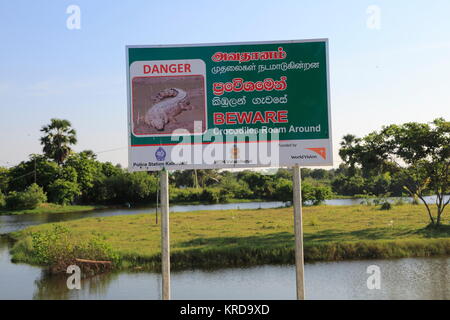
{"type": "Point", "coordinates": [320, 151]}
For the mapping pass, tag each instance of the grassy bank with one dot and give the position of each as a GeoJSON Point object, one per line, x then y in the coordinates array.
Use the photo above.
{"type": "Point", "coordinates": [52, 208]}
{"type": "Point", "coordinates": [228, 238]}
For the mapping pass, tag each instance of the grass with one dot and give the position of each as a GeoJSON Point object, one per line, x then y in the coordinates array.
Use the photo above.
{"type": "Point", "coordinates": [211, 239]}
{"type": "Point", "coordinates": [51, 208]}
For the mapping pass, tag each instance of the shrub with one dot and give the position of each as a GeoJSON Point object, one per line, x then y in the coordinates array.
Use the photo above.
{"type": "Point", "coordinates": [321, 193]}
{"type": "Point", "coordinates": [283, 190]}
{"type": "Point", "coordinates": [349, 186]}
{"type": "Point", "coordinates": [28, 199]}
{"type": "Point", "coordinates": [315, 194]}
{"type": "Point", "coordinates": [63, 191]}
{"type": "Point", "coordinates": [2, 200]}
{"type": "Point", "coordinates": [237, 189]}
{"type": "Point", "coordinates": [59, 247]}
{"type": "Point", "coordinates": [386, 205]}
{"type": "Point", "coordinates": [380, 184]}
{"type": "Point", "coordinates": [135, 187]}
{"type": "Point", "coordinates": [216, 195]}
{"type": "Point", "coordinates": [143, 186]}
{"type": "Point", "coordinates": [185, 195]}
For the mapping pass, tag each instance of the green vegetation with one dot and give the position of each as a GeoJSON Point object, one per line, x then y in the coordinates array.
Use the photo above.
{"type": "Point", "coordinates": [81, 179]}
{"type": "Point", "coordinates": [417, 154]}
{"type": "Point", "coordinates": [2, 200]}
{"type": "Point", "coordinates": [57, 139]}
{"type": "Point", "coordinates": [30, 198]}
{"type": "Point", "coordinates": [206, 239]}
{"type": "Point", "coordinates": [59, 248]}
{"type": "Point", "coordinates": [66, 178]}
{"type": "Point", "coordinates": [371, 168]}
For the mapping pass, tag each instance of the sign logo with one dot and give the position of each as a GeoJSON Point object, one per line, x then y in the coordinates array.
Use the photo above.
{"type": "Point", "coordinates": [160, 154]}
{"type": "Point", "coordinates": [320, 151]}
{"type": "Point", "coordinates": [234, 152]}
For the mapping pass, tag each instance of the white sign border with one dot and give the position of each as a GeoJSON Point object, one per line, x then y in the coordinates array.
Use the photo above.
{"type": "Point", "coordinates": [225, 44]}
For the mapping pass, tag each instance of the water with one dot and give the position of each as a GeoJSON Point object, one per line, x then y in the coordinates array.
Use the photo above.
{"type": "Point", "coordinates": [356, 201]}
{"type": "Point", "coordinates": [424, 278]}
{"type": "Point", "coordinates": [418, 278]}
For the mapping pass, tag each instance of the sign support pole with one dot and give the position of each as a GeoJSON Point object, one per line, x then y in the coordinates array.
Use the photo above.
{"type": "Point", "coordinates": [165, 245]}
{"type": "Point", "coordinates": [298, 227]}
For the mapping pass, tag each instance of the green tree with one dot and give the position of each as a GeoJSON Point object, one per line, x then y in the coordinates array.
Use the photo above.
{"type": "Point", "coordinates": [23, 175]}
{"type": "Point", "coordinates": [4, 179]}
{"type": "Point", "coordinates": [100, 193]}
{"type": "Point", "coordinates": [283, 173]}
{"type": "Point", "coordinates": [349, 185]}
{"type": "Point", "coordinates": [315, 194]}
{"type": "Point", "coordinates": [63, 192]}
{"type": "Point", "coordinates": [135, 187]}
{"type": "Point", "coordinates": [195, 178]}
{"type": "Point", "coordinates": [230, 185]}
{"type": "Point", "coordinates": [143, 186]}
{"type": "Point", "coordinates": [283, 189]}
{"type": "Point", "coordinates": [109, 170]}
{"type": "Point", "coordinates": [420, 154]}
{"type": "Point", "coordinates": [208, 177]}
{"type": "Point", "coordinates": [87, 169]}
{"type": "Point", "coordinates": [261, 185]}
{"type": "Point", "coordinates": [182, 178]}
{"type": "Point", "coordinates": [380, 184]}
{"type": "Point", "coordinates": [349, 149]}
{"type": "Point", "coordinates": [89, 154]}
{"type": "Point", "coordinates": [2, 200]}
{"type": "Point", "coordinates": [57, 139]}
{"type": "Point", "coordinates": [319, 174]}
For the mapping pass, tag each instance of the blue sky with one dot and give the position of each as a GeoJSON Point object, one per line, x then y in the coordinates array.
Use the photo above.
{"type": "Point", "coordinates": [396, 74]}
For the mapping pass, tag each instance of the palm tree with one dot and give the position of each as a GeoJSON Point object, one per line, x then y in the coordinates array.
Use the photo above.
{"type": "Point", "coordinates": [348, 151]}
{"type": "Point", "coordinates": [57, 139]}
{"type": "Point", "coordinates": [204, 177]}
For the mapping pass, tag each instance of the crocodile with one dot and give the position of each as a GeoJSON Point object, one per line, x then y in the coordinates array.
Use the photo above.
{"type": "Point", "coordinates": [168, 104]}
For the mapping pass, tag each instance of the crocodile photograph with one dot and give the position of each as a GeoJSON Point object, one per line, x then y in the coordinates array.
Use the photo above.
{"type": "Point", "coordinates": [169, 103]}
{"type": "Point", "coordinates": [164, 104]}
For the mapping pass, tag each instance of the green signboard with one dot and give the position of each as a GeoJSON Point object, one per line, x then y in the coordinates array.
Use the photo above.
{"type": "Point", "coordinates": [229, 105]}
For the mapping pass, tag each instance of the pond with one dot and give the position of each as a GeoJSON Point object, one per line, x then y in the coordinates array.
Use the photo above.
{"type": "Point", "coordinates": [418, 278]}
{"type": "Point", "coordinates": [354, 201]}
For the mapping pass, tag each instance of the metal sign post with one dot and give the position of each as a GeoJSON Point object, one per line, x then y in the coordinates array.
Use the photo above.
{"type": "Point", "coordinates": [298, 227]}
{"type": "Point", "coordinates": [261, 81]}
{"type": "Point", "coordinates": [165, 244]}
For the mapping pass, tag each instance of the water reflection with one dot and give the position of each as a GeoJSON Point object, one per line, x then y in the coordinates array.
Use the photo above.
{"type": "Point", "coordinates": [424, 278]}
{"type": "Point", "coordinates": [54, 287]}
{"type": "Point", "coordinates": [418, 278]}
